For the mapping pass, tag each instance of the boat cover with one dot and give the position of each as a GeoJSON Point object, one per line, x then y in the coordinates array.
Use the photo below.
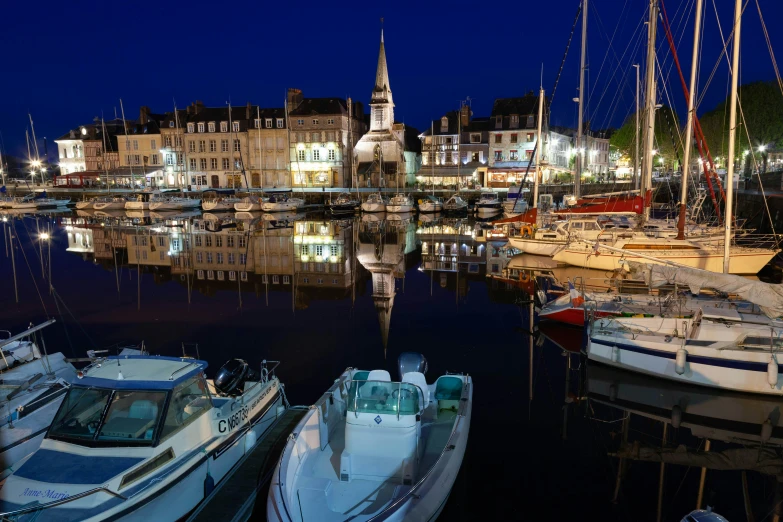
{"type": "Point", "coordinates": [768, 297]}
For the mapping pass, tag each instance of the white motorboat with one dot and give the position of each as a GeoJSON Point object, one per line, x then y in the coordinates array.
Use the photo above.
{"type": "Point", "coordinates": [249, 204]}
{"type": "Point", "coordinates": [226, 204]}
{"type": "Point", "coordinates": [703, 253]}
{"type": "Point", "coordinates": [455, 204]}
{"type": "Point", "coordinates": [516, 202]}
{"type": "Point", "coordinates": [373, 449]}
{"type": "Point", "coordinates": [545, 241]}
{"type": "Point", "coordinates": [142, 438]}
{"type": "Point", "coordinates": [431, 204]}
{"type": "Point", "coordinates": [374, 203]}
{"type": "Point", "coordinates": [141, 201]}
{"type": "Point", "coordinates": [85, 204]}
{"type": "Point", "coordinates": [488, 204]}
{"type": "Point", "coordinates": [400, 203]}
{"type": "Point", "coordinates": [109, 203]}
{"type": "Point", "coordinates": [343, 204]}
{"type": "Point", "coordinates": [173, 203]}
{"type": "Point", "coordinates": [281, 203]}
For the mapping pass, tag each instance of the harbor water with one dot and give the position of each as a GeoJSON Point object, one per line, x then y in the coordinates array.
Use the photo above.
{"type": "Point", "coordinates": [318, 294]}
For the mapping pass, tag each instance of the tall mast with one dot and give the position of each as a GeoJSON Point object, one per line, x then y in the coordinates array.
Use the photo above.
{"type": "Point", "coordinates": [105, 169]}
{"type": "Point", "coordinates": [354, 181]}
{"type": "Point", "coordinates": [260, 159]}
{"type": "Point", "coordinates": [636, 173]}
{"type": "Point", "coordinates": [686, 155]}
{"type": "Point", "coordinates": [649, 105]}
{"type": "Point", "coordinates": [176, 146]}
{"type": "Point", "coordinates": [231, 145]}
{"type": "Point", "coordinates": [35, 147]}
{"type": "Point", "coordinates": [539, 144]}
{"type": "Point", "coordinates": [432, 149]}
{"type": "Point", "coordinates": [459, 148]}
{"type": "Point", "coordinates": [127, 144]}
{"type": "Point", "coordinates": [579, 131]}
{"type": "Point", "coordinates": [727, 218]}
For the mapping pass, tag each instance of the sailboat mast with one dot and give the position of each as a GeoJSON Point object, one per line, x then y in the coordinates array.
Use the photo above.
{"type": "Point", "coordinates": [727, 219]}
{"type": "Point", "coordinates": [649, 105]}
{"type": "Point", "coordinates": [579, 130]}
{"type": "Point", "coordinates": [105, 169]}
{"type": "Point", "coordinates": [35, 146]}
{"type": "Point", "coordinates": [539, 144]}
{"type": "Point", "coordinates": [432, 160]}
{"type": "Point", "coordinates": [260, 159]}
{"type": "Point", "coordinates": [686, 156]}
{"type": "Point", "coordinates": [127, 142]}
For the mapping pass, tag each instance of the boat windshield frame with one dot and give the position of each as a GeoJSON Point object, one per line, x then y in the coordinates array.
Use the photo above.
{"type": "Point", "coordinates": [389, 404]}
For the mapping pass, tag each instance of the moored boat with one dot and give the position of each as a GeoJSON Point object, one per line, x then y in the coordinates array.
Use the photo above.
{"type": "Point", "coordinates": [430, 204]}
{"type": "Point", "coordinates": [373, 449]}
{"type": "Point", "coordinates": [455, 204]}
{"type": "Point", "coordinates": [488, 204]}
{"type": "Point", "coordinates": [401, 203]}
{"type": "Point", "coordinates": [343, 204]}
{"type": "Point", "coordinates": [374, 203]}
{"type": "Point", "coordinates": [173, 203]}
{"type": "Point", "coordinates": [281, 203]}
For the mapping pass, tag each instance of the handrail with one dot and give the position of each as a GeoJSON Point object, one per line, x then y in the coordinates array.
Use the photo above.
{"type": "Point", "coordinates": [38, 507]}
{"type": "Point", "coordinates": [175, 372]}
{"type": "Point", "coordinates": [446, 447]}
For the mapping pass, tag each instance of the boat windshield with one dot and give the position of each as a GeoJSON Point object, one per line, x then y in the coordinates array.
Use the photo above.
{"type": "Point", "coordinates": [96, 414]}
{"type": "Point", "coordinates": [391, 398]}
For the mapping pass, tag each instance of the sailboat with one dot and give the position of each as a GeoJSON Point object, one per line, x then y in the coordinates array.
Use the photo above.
{"type": "Point", "coordinates": [343, 204]}
{"type": "Point", "coordinates": [455, 204]}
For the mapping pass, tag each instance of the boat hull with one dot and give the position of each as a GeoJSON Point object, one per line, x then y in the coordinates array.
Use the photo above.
{"type": "Point", "coordinates": [175, 205]}
{"type": "Point", "coordinates": [137, 205]}
{"type": "Point", "coordinates": [488, 210]}
{"type": "Point", "coordinates": [84, 205]}
{"type": "Point", "coordinates": [218, 206]}
{"type": "Point", "coordinates": [399, 209]}
{"type": "Point", "coordinates": [110, 205]}
{"type": "Point", "coordinates": [285, 206]}
{"type": "Point", "coordinates": [539, 247]}
{"type": "Point", "coordinates": [373, 207]}
{"type": "Point", "coordinates": [430, 207]}
{"type": "Point", "coordinates": [346, 208]}
{"type": "Point", "coordinates": [748, 261]}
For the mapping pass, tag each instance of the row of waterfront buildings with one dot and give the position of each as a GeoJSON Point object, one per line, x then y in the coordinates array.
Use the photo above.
{"type": "Point", "coordinates": [323, 142]}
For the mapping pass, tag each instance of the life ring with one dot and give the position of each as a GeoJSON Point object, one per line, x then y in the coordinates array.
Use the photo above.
{"type": "Point", "coordinates": [524, 277]}
{"type": "Point", "coordinates": [527, 231]}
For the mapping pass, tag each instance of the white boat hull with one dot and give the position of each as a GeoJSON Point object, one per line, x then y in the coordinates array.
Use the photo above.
{"type": "Point", "coordinates": [175, 205]}
{"type": "Point", "coordinates": [218, 206]}
{"type": "Point", "coordinates": [282, 206]}
{"type": "Point", "coordinates": [539, 247]}
{"type": "Point", "coordinates": [247, 207]}
{"type": "Point", "coordinates": [430, 207]}
{"type": "Point", "coordinates": [84, 205]}
{"type": "Point", "coordinates": [137, 205]}
{"type": "Point", "coordinates": [488, 211]}
{"type": "Point", "coordinates": [399, 208]}
{"type": "Point", "coordinates": [742, 261]}
{"type": "Point", "coordinates": [109, 205]}
{"type": "Point", "coordinates": [373, 207]}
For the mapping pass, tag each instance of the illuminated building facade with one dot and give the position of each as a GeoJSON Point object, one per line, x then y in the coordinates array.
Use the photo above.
{"type": "Point", "coordinates": [267, 162]}
{"type": "Point", "coordinates": [140, 151]}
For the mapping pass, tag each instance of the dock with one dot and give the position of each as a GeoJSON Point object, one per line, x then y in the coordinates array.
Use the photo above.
{"type": "Point", "coordinates": [234, 498]}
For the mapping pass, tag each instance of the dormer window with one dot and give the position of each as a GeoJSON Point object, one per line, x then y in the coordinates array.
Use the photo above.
{"type": "Point", "coordinates": [257, 123]}
{"type": "Point", "coordinates": [498, 122]}
{"type": "Point", "coordinates": [235, 126]}
{"type": "Point", "coordinates": [201, 127]}
{"type": "Point", "coordinates": [191, 127]}
{"type": "Point", "coordinates": [171, 124]}
{"type": "Point", "coordinates": [223, 126]}
{"type": "Point", "coordinates": [444, 124]}
{"type": "Point", "coordinates": [268, 123]}
{"type": "Point", "coordinates": [212, 126]}
{"type": "Point", "coordinates": [530, 120]}
{"type": "Point", "coordinates": [514, 122]}
{"type": "Point", "coordinates": [475, 137]}
{"type": "Point", "coordinates": [279, 123]}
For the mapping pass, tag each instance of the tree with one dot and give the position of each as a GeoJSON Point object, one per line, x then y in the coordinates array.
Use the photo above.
{"type": "Point", "coordinates": [762, 107]}
{"type": "Point", "coordinates": [666, 124]}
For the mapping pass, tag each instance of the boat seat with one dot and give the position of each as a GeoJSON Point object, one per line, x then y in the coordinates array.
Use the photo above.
{"type": "Point", "coordinates": [373, 386]}
{"type": "Point", "coordinates": [448, 391]}
{"type": "Point", "coordinates": [142, 409]}
{"type": "Point", "coordinates": [379, 375]}
{"type": "Point", "coordinates": [418, 379]}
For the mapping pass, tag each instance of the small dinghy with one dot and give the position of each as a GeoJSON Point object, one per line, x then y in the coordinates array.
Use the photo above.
{"type": "Point", "coordinates": [373, 449]}
{"type": "Point", "coordinates": [142, 438]}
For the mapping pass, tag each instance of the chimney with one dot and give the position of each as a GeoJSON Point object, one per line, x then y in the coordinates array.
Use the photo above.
{"type": "Point", "coordinates": [144, 114]}
{"type": "Point", "coordinates": [464, 116]}
{"type": "Point", "coordinates": [248, 111]}
{"type": "Point", "coordinates": [198, 106]}
{"type": "Point", "coordinates": [294, 98]}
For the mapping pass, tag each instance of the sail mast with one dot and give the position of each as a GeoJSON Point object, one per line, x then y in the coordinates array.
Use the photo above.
{"type": "Point", "coordinates": [727, 217]}
{"type": "Point", "coordinates": [579, 130]}
{"type": "Point", "coordinates": [127, 144]}
{"type": "Point", "coordinates": [539, 143]}
{"type": "Point", "coordinates": [689, 125]}
{"type": "Point", "coordinates": [105, 168]}
{"type": "Point", "coordinates": [649, 106]}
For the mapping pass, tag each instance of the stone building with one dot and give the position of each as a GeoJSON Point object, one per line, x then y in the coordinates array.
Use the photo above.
{"type": "Point", "coordinates": [381, 155]}
{"type": "Point", "coordinates": [139, 151]}
{"type": "Point", "coordinates": [268, 162]}
{"type": "Point", "coordinates": [323, 134]}
{"type": "Point", "coordinates": [90, 150]}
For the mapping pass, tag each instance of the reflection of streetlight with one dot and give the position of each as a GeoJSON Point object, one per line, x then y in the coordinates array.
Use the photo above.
{"type": "Point", "coordinates": [762, 148]}
{"type": "Point", "coordinates": [44, 236]}
{"type": "Point", "coordinates": [745, 152]}
{"type": "Point", "coordinates": [660, 160]}
{"type": "Point", "coordinates": [36, 164]}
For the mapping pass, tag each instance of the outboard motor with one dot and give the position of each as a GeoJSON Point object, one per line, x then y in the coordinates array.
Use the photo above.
{"type": "Point", "coordinates": [231, 378]}
{"type": "Point", "coordinates": [411, 362]}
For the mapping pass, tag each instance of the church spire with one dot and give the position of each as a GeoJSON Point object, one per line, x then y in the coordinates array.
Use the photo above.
{"type": "Point", "coordinates": [382, 88]}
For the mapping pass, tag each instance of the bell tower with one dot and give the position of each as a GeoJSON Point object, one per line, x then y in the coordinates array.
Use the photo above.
{"type": "Point", "coordinates": [381, 103]}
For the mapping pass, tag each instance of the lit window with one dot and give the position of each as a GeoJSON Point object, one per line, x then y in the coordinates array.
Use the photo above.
{"type": "Point", "coordinates": [169, 159]}
{"type": "Point", "coordinates": [235, 126]}
{"type": "Point", "coordinates": [316, 154]}
{"type": "Point", "coordinates": [201, 127]}
{"type": "Point", "coordinates": [212, 126]}
{"type": "Point", "coordinates": [513, 155]}
{"type": "Point", "coordinates": [300, 155]}
{"type": "Point", "coordinates": [331, 155]}
{"type": "Point", "coordinates": [279, 123]}
{"type": "Point", "coordinates": [268, 123]}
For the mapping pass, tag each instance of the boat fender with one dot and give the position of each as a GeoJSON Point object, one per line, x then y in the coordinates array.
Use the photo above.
{"type": "Point", "coordinates": [250, 441]}
{"type": "Point", "coordinates": [680, 360]}
{"type": "Point", "coordinates": [766, 431]}
{"type": "Point", "coordinates": [524, 277]}
{"type": "Point", "coordinates": [772, 372]}
{"type": "Point", "coordinates": [615, 354]}
{"type": "Point", "coordinates": [676, 416]}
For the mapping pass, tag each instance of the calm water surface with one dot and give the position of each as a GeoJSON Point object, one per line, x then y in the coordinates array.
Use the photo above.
{"type": "Point", "coordinates": [320, 295]}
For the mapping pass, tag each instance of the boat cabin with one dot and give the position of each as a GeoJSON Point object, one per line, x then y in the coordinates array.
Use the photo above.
{"type": "Point", "coordinates": [588, 228]}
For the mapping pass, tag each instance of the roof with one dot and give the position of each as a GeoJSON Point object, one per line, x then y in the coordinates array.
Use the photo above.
{"type": "Point", "coordinates": [381, 87]}
{"type": "Point", "coordinates": [523, 107]}
{"type": "Point", "coordinates": [94, 131]}
{"type": "Point", "coordinates": [141, 372]}
{"type": "Point", "coordinates": [474, 125]}
{"type": "Point", "coordinates": [320, 106]}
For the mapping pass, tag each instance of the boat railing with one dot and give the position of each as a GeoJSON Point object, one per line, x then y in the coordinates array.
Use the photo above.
{"type": "Point", "coordinates": [175, 372]}
{"type": "Point", "coordinates": [5, 517]}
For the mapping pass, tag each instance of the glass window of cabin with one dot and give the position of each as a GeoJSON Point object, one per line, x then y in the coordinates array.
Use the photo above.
{"type": "Point", "coordinates": [79, 414]}
{"type": "Point", "coordinates": [133, 416]}
{"type": "Point", "coordinates": [383, 397]}
{"type": "Point", "coordinates": [188, 400]}
{"type": "Point", "coordinates": [576, 225]}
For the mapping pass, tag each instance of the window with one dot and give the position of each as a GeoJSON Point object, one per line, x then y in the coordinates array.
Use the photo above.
{"type": "Point", "coordinates": [331, 155]}
{"type": "Point", "coordinates": [498, 155]}
{"type": "Point", "coordinates": [231, 259]}
{"type": "Point", "coordinates": [514, 123]}
{"type": "Point", "coordinates": [498, 138]}
{"type": "Point", "coordinates": [513, 155]}
{"type": "Point", "coordinates": [316, 154]}
{"type": "Point", "coordinates": [243, 276]}
{"type": "Point", "coordinates": [191, 127]}
{"type": "Point", "coordinates": [279, 123]}
{"type": "Point", "coordinates": [237, 164]}
{"type": "Point", "coordinates": [236, 146]}
{"type": "Point", "coordinates": [223, 145]}
{"type": "Point", "coordinates": [320, 281]}
{"type": "Point", "coordinates": [219, 242]}
{"type": "Point", "coordinates": [319, 250]}
{"type": "Point", "coordinates": [315, 137]}
{"type": "Point", "coordinates": [334, 281]}
{"type": "Point", "coordinates": [135, 144]}
{"type": "Point", "coordinates": [265, 279]}
{"type": "Point", "coordinates": [136, 159]}
{"type": "Point", "coordinates": [268, 123]}
{"type": "Point", "coordinates": [209, 257]}
{"type": "Point", "coordinates": [153, 144]}
{"type": "Point", "coordinates": [300, 155]}
{"type": "Point", "coordinates": [213, 163]}
{"type": "Point", "coordinates": [530, 136]}
{"type": "Point", "coordinates": [275, 280]}
{"type": "Point", "coordinates": [242, 241]}
{"type": "Point", "coordinates": [212, 146]}
{"type": "Point", "coordinates": [192, 163]}
{"type": "Point", "coordinates": [378, 115]}
{"type": "Point", "coordinates": [220, 258]}
{"type": "Point", "coordinates": [202, 146]}
{"type": "Point", "coordinates": [169, 159]}
{"type": "Point", "coordinates": [199, 257]}
{"type": "Point", "coordinates": [178, 141]}
{"type": "Point", "coordinates": [232, 275]}
{"type": "Point", "coordinates": [171, 124]}
{"type": "Point", "coordinates": [200, 274]}
{"type": "Point", "coordinates": [235, 126]}
{"type": "Point", "coordinates": [257, 123]}
{"type": "Point", "coordinates": [167, 141]}
{"type": "Point", "coordinates": [530, 120]}
{"type": "Point", "coordinates": [198, 241]}
{"type": "Point", "coordinates": [155, 159]}
{"type": "Point", "coordinates": [333, 250]}
{"type": "Point", "coordinates": [201, 127]}
{"type": "Point", "coordinates": [161, 241]}
{"type": "Point", "coordinates": [242, 259]}
{"type": "Point", "coordinates": [286, 280]}
{"type": "Point", "coordinates": [223, 126]}
{"type": "Point", "coordinates": [225, 164]}
{"type": "Point", "coordinates": [191, 146]}
{"type": "Point", "coordinates": [211, 126]}
{"type": "Point", "coordinates": [230, 241]}
{"type": "Point", "coordinates": [513, 138]}
{"type": "Point", "coordinates": [180, 158]}
{"type": "Point", "coordinates": [221, 275]}
{"type": "Point", "coordinates": [208, 241]}
{"type": "Point", "coordinates": [315, 121]}
{"type": "Point", "coordinates": [498, 122]}
{"type": "Point", "coordinates": [330, 121]}
{"type": "Point", "coordinates": [203, 163]}
{"type": "Point", "coordinates": [300, 122]}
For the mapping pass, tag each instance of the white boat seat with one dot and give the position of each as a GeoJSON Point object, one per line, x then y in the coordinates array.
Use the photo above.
{"type": "Point", "coordinates": [373, 387]}
{"type": "Point", "coordinates": [143, 410]}
{"type": "Point", "coordinates": [379, 375]}
{"type": "Point", "coordinates": [418, 379]}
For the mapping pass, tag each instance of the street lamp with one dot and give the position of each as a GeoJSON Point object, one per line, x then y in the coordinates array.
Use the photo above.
{"type": "Point", "coordinates": [762, 148]}
{"type": "Point", "coordinates": [44, 236]}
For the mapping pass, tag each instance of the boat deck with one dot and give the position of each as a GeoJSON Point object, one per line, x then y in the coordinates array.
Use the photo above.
{"type": "Point", "coordinates": [235, 497]}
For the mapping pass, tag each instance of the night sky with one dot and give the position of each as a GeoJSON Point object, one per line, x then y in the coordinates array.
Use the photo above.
{"type": "Point", "coordinates": [67, 63]}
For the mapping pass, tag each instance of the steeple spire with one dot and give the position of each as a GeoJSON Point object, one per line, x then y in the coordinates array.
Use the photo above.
{"type": "Point", "coordinates": [381, 91]}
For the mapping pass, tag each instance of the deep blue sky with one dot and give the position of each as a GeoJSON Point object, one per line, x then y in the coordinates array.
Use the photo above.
{"type": "Point", "coordinates": [69, 62]}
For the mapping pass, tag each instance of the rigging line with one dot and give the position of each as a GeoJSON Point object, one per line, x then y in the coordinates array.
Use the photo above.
{"type": "Point", "coordinates": [62, 320]}
{"type": "Point", "coordinates": [24, 254]}
{"type": "Point", "coordinates": [665, 89]}
{"type": "Point", "coordinates": [57, 295]}
{"type": "Point", "coordinates": [616, 99]}
{"type": "Point", "coordinates": [562, 62]}
{"type": "Point", "coordinates": [609, 48]}
{"type": "Point", "coordinates": [769, 47]}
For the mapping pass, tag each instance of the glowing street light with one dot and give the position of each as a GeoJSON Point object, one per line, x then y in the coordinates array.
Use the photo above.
{"type": "Point", "coordinates": [762, 148]}
{"type": "Point", "coordinates": [44, 236]}
{"type": "Point", "coordinates": [745, 152]}
{"type": "Point", "coordinates": [36, 164]}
